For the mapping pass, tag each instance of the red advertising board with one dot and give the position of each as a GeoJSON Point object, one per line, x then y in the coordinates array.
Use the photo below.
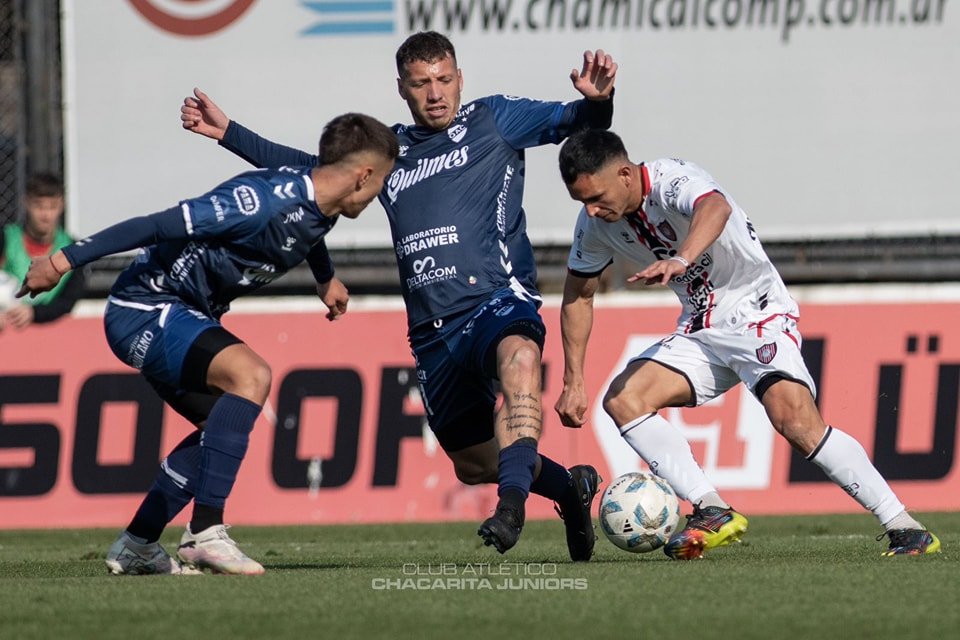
{"type": "Point", "coordinates": [343, 438]}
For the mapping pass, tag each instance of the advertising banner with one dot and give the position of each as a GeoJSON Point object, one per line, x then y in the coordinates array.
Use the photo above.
{"type": "Point", "coordinates": [823, 118]}
{"type": "Point", "coordinates": [343, 437]}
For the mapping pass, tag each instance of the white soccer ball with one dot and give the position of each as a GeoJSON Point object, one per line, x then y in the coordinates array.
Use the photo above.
{"type": "Point", "coordinates": [639, 511]}
{"type": "Point", "coordinates": [8, 289]}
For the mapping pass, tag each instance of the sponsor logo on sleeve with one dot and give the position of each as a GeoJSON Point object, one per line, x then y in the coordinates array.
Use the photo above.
{"type": "Point", "coordinates": [674, 189]}
{"type": "Point", "coordinates": [217, 208]}
{"type": "Point", "coordinates": [247, 200]}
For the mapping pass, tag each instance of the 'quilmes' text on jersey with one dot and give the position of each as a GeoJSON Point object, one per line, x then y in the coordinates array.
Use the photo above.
{"type": "Point", "coordinates": [426, 167]}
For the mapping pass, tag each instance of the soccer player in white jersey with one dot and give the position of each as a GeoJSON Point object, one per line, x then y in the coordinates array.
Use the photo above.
{"type": "Point", "coordinates": [738, 324]}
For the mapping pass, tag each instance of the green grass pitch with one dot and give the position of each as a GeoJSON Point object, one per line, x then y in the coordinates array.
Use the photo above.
{"type": "Point", "coordinates": [816, 577]}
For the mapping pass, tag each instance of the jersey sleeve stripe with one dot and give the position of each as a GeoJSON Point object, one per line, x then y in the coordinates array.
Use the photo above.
{"type": "Point", "coordinates": [307, 180]}
{"type": "Point", "coordinates": [701, 197]}
{"type": "Point", "coordinates": [186, 218]}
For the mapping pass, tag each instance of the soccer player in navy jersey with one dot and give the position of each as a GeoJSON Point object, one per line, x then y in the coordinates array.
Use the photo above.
{"type": "Point", "coordinates": [467, 271]}
{"type": "Point", "coordinates": [163, 318]}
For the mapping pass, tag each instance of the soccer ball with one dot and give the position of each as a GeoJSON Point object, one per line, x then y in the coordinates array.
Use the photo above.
{"type": "Point", "coordinates": [638, 512]}
{"type": "Point", "coordinates": [8, 290]}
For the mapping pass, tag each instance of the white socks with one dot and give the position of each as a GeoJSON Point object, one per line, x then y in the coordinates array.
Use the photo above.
{"type": "Point", "coordinates": [842, 458]}
{"type": "Point", "coordinates": [846, 463]}
{"type": "Point", "coordinates": [663, 447]}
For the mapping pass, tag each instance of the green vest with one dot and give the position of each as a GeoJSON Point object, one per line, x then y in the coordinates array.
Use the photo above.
{"type": "Point", "coordinates": [17, 260]}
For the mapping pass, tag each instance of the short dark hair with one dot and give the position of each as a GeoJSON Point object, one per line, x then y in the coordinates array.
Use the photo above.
{"type": "Point", "coordinates": [354, 133]}
{"type": "Point", "coordinates": [588, 151]}
{"type": "Point", "coordinates": [424, 46]}
{"type": "Point", "coordinates": [44, 185]}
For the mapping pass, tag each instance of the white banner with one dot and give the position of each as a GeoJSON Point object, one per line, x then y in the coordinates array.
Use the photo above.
{"type": "Point", "coordinates": [823, 118]}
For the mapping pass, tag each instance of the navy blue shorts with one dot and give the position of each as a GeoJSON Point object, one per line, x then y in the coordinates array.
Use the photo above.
{"type": "Point", "coordinates": [172, 345]}
{"type": "Point", "coordinates": [456, 361]}
{"type": "Point", "coordinates": [154, 339]}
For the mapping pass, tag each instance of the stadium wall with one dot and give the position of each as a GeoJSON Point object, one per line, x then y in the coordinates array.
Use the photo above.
{"type": "Point", "coordinates": [823, 118]}
{"type": "Point", "coordinates": [343, 438]}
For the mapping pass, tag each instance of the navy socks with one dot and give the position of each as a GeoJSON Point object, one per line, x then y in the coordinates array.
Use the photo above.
{"type": "Point", "coordinates": [173, 488]}
{"type": "Point", "coordinates": [554, 481]}
{"type": "Point", "coordinates": [516, 467]}
{"type": "Point", "coordinates": [223, 446]}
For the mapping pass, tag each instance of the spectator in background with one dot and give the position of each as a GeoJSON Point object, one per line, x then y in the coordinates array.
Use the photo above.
{"type": "Point", "coordinates": [39, 234]}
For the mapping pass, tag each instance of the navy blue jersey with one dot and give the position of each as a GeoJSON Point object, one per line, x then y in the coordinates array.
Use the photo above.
{"type": "Point", "coordinates": [454, 197]}
{"type": "Point", "coordinates": [241, 235]}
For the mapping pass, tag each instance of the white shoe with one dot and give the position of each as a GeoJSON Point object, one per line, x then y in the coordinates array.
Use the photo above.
{"type": "Point", "coordinates": [127, 557]}
{"type": "Point", "coordinates": [213, 549]}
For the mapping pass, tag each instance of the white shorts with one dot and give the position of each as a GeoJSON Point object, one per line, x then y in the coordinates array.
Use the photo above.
{"type": "Point", "coordinates": [714, 360]}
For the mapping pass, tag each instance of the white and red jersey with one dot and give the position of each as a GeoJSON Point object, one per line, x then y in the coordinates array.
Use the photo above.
{"type": "Point", "coordinates": [732, 285]}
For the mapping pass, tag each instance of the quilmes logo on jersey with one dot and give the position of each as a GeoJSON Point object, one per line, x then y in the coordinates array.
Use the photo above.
{"type": "Point", "coordinates": [402, 179]}
{"type": "Point", "coordinates": [350, 17]}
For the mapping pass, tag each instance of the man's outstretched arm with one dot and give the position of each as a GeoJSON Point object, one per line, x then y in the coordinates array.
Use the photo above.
{"type": "Point", "coordinates": [203, 116]}
{"type": "Point", "coordinates": [45, 272]}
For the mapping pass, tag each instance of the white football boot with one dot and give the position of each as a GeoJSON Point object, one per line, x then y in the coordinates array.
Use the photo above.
{"type": "Point", "coordinates": [213, 549]}
{"type": "Point", "coordinates": [127, 557]}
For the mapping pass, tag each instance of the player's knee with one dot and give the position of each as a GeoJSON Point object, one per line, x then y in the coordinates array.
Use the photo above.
{"type": "Point", "coordinates": [521, 361]}
{"type": "Point", "coordinates": [472, 473]}
{"type": "Point", "coordinates": [253, 383]}
{"type": "Point", "coordinates": [621, 407]}
{"type": "Point", "coordinates": [800, 424]}
{"type": "Point", "coordinates": [789, 407]}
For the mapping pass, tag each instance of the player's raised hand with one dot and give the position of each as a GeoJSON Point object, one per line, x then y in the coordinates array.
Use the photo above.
{"type": "Point", "coordinates": [596, 78]}
{"type": "Point", "coordinates": [44, 274]}
{"type": "Point", "coordinates": [201, 115]}
{"type": "Point", "coordinates": [572, 406]}
{"type": "Point", "coordinates": [660, 272]}
{"type": "Point", "coordinates": [334, 294]}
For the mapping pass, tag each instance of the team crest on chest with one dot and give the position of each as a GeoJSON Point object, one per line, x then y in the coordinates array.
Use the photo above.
{"type": "Point", "coordinates": [667, 231]}
{"type": "Point", "coordinates": [457, 131]}
{"type": "Point", "coordinates": [767, 353]}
